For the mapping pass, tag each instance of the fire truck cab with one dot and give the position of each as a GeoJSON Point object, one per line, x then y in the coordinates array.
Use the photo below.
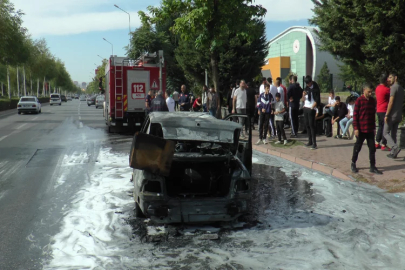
{"type": "Point", "coordinates": [127, 85]}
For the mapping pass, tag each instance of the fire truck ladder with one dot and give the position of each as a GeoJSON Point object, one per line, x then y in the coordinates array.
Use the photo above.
{"type": "Point", "coordinates": [119, 85]}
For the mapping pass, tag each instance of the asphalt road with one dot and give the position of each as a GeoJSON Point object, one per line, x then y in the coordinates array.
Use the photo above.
{"type": "Point", "coordinates": [36, 150]}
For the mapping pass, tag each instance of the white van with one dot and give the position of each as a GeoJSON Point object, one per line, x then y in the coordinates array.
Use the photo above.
{"type": "Point", "coordinates": [55, 99]}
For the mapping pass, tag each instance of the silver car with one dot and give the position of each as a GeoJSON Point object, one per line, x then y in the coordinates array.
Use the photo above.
{"type": "Point", "coordinates": [55, 99]}
{"type": "Point", "coordinates": [100, 101]}
{"type": "Point", "coordinates": [190, 167]}
{"type": "Point", "coordinates": [28, 104]}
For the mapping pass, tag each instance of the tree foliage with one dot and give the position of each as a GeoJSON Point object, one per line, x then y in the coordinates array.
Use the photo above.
{"type": "Point", "coordinates": [235, 41]}
{"type": "Point", "coordinates": [323, 79]}
{"type": "Point", "coordinates": [18, 51]}
{"type": "Point", "coordinates": [368, 36]}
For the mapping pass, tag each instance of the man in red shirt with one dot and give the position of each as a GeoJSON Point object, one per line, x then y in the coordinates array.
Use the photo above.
{"type": "Point", "coordinates": [364, 127]}
{"type": "Point", "coordinates": [382, 94]}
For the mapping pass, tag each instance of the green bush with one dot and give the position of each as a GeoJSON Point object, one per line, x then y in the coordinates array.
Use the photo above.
{"type": "Point", "coordinates": [7, 104]}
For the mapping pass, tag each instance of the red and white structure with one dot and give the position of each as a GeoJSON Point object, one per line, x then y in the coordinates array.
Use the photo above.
{"type": "Point", "coordinates": [127, 85]}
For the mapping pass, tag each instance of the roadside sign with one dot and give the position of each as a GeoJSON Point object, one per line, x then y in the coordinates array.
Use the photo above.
{"type": "Point", "coordinates": [155, 85]}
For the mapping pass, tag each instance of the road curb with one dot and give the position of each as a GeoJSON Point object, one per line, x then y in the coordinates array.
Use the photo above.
{"type": "Point", "coordinates": [317, 166]}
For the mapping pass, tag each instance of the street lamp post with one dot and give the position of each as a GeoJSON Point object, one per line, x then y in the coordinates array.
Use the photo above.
{"type": "Point", "coordinates": [100, 57]}
{"type": "Point", "coordinates": [112, 46]}
{"type": "Point", "coordinates": [129, 16]}
{"type": "Point", "coordinates": [129, 26]}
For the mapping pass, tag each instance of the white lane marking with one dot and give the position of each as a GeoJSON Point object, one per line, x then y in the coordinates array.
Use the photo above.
{"type": "Point", "coordinates": [2, 138]}
{"type": "Point", "coordinates": [21, 126]}
{"type": "Point", "coordinates": [81, 124]}
{"type": "Point", "coordinates": [34, 118]}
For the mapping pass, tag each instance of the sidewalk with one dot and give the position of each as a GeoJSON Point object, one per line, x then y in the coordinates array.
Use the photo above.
{"type": "Point", "coordinates": [333, 157]}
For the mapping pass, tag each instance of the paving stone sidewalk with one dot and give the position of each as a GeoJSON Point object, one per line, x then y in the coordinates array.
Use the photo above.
{"type": "Point", "coordinates": [333, 157]}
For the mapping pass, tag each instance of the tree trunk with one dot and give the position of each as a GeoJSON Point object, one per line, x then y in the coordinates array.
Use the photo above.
{"type": "Point", "coordinates": [215, 79]}
{"type": "Point", "coordinates": [2, 90]}
{"type": "Point", "coordinates": [31, 87]}
{"type": "Point", "coordinates": [43, 88]}
{"type": "Point", "coordinates": [8, 82]}
{"type": "Point", "coordinates": [37, 87]}
{"type": "Point", "coordinates": [18, 84]}
{"type": "Point", "coordinates": [25, 87]}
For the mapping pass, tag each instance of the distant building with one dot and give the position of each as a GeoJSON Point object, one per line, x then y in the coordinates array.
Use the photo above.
{"type": "Point", "coordinates": [76, 83]}
{"type": "Point", "coordinates": [84, 85]}
{"type": "Point", "coordinates": [297, 49]}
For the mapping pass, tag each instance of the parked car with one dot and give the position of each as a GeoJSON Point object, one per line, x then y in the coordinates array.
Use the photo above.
{"type": "Point", "coordinates": [76, 96]}
{"type": "Point", "coordinates": [55, 99]}
{"type": "Point", "coordinates": [28, 104]}
{"type": "Point", "coordinates": [100, 101]}
{"type": "Point", "coordinates": [190, 167]}
{"type": "Point", "coordinates": [63, 98]}
{"type": "Point", "coordinates": [69, 98]}
{"type": "Point", "coordinates": [91, 100]}
{"type": "Point", "coordinates": [82, 98]}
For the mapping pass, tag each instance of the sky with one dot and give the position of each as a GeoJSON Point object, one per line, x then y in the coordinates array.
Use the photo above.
{"type": "Point", "coordinates": [74, 29]}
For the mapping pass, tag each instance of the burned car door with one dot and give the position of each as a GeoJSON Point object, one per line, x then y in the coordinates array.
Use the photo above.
{"type": "Point", "coordinates": [244, 147]}
{"type": "Point", "coordinates": [152, 154]}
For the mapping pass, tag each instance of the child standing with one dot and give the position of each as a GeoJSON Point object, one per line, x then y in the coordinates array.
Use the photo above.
{"type": "Point", "coordinates": [279, 110]}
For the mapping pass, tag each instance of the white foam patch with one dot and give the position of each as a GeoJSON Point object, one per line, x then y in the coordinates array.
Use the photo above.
{"type": "Point", "coordinates": [367, 234]}
{"type": "Point", "coordinates": [93, 219]}
{"type": "Point", "coordinates": [77, 157]}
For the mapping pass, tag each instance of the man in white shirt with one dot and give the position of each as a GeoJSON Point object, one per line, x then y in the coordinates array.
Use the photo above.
{"type": "Point", "coordinates": [204, 95]}
{"type": "Point", "coordinates": [280, 90]}
{"type": "Point", "coordinates": [239, 104]}
{"type": "Point", "coordinates": [312, 98]}
{"type": "Point", "coordinates": [330, 107]}
{"type": "Point", "coordinates": [169, 102]}
{"type": "Point", "coordinates": [273, 92]}
{"type": "Point", "coordinates": [176, 99]}
{"type": "Point", "coordinates": [263, 86]}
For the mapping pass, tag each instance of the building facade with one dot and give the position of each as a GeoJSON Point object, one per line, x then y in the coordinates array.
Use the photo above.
{"type": "Point", "coordinates": [298, 49]}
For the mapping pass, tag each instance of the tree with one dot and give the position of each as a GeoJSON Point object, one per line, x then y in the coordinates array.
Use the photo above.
{"type": "Point", "coordinates": [323, 79]}
{"type": "Point", "coordinates": [369, 36]}
{"type": "Point", "coordinates": [12, 45]}
{"type": "Point", "coordinates": [209, 24]}
{"type": "Point", "coordinates": [348, 76]}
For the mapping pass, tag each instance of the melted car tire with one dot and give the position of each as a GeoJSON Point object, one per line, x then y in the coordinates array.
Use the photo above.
{"type": "Point", "coordinates": [138, 211]}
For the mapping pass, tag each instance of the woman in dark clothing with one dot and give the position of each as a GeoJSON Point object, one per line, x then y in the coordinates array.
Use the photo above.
{"type": "Point", "coordinates": [251, 104]}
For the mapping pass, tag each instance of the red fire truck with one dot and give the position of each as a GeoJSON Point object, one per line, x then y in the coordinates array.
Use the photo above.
{"type": "Point", "coordinates": [127, 85]}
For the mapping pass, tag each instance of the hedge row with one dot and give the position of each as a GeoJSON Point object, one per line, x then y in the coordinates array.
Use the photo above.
{"type": "Point", "coordinates": [7, 104]}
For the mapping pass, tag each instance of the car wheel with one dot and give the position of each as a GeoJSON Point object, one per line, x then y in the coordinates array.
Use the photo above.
{"type": "Point", "coordinates": [40, 110]}
{"type": "Point", "coordinates": [138, 211]}
{"type": "Point", "coordinates": [18, 112]}
{"type": "Point", "coordinates": [88, 105]}
{"type": "Point", "coordinates": [51, 104]}
{"type": "Point", "coordinates": [60, 104]}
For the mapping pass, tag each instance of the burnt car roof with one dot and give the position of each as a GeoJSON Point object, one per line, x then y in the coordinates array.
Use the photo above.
{"type": "Point", "coordinates": [194, 126]}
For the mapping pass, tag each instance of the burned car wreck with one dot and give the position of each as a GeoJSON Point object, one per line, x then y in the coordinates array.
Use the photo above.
{"type": "Point", "coordinates": [190, 167]}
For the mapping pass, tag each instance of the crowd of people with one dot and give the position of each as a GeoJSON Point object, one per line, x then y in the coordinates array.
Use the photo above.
{"type": "Point", "coordinates": [278, 108]}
